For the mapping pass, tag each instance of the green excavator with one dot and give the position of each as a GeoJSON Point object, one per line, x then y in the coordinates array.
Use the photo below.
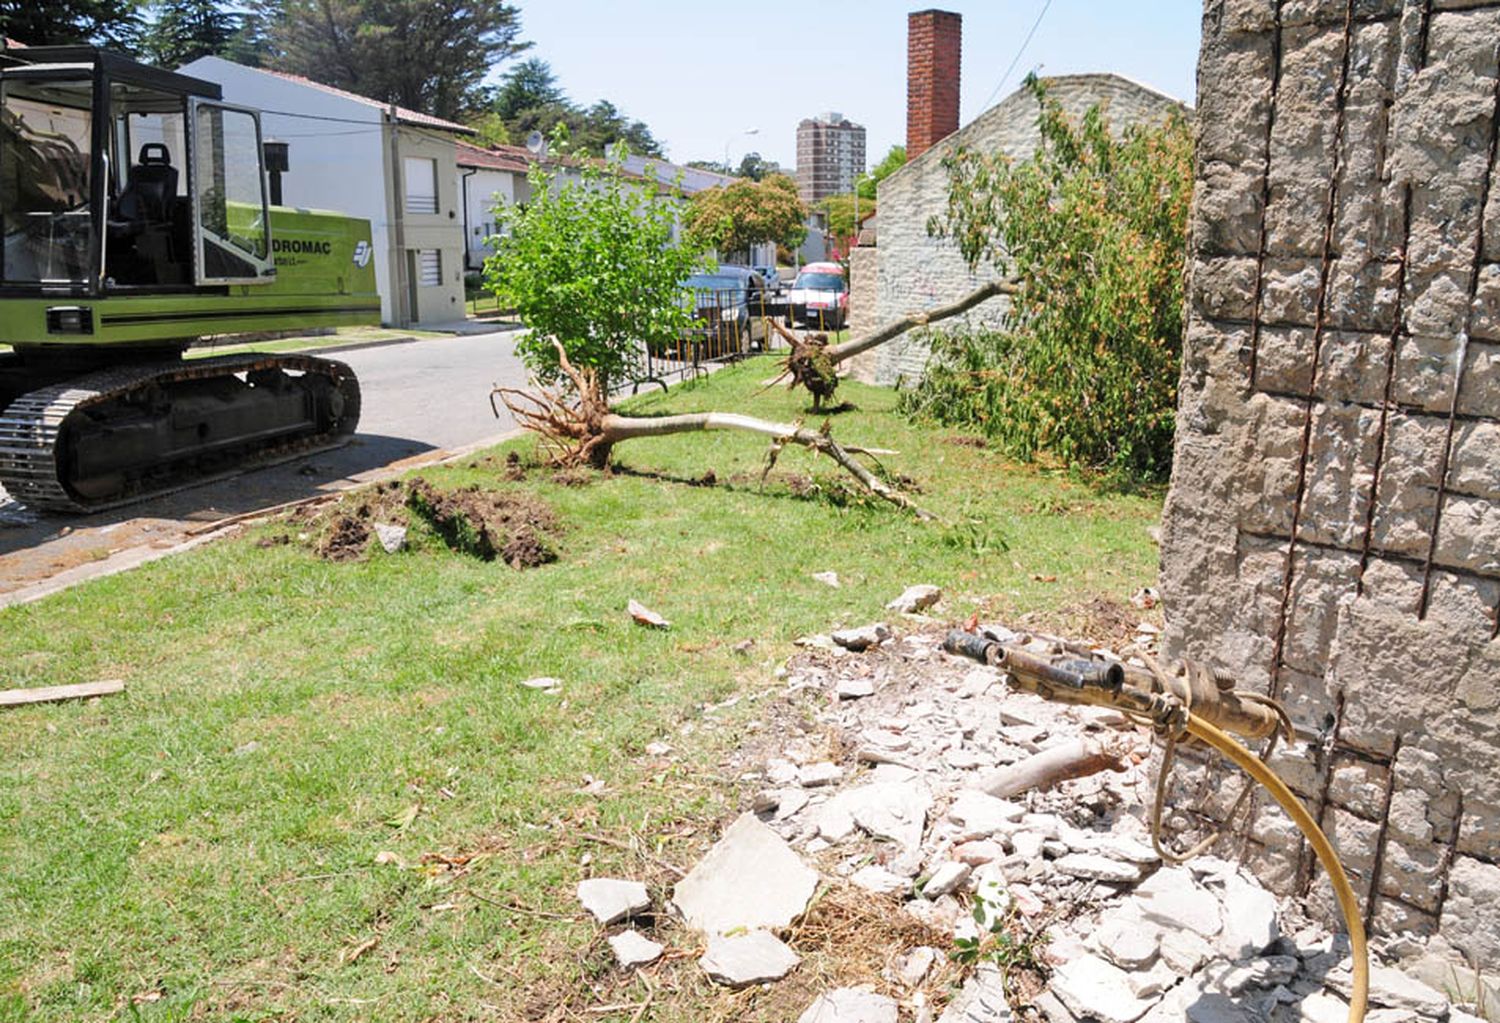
{"type": "Point", "coordinates": [136, 217]}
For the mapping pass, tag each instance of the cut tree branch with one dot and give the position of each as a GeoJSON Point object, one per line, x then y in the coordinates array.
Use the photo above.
{"type": "Point", "coordinates": [576, 428]}
{"type": "Point", "coordinates": [813, 362]}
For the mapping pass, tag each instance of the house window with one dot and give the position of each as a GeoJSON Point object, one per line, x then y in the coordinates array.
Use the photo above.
{"type": "Point", "coordinates": [429, 268]}
{"type": "Point", "coordinates": [421, 185]}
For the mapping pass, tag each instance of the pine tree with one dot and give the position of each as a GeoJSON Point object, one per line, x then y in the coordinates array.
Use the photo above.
{"type": "Point", "coordinates": [184, 30]}
{"type": "Point", "coordinates": [111, 23]}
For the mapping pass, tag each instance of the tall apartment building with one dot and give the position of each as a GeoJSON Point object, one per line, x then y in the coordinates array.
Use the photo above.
{"type": "Point", "coordinates": [830, 156]}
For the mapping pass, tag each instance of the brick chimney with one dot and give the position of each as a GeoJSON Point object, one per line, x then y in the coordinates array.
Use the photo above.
{"type": "Point", "coordinates": [932, 54]}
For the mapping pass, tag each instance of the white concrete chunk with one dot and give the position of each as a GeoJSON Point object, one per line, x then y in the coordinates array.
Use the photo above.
{"type": "Point", "coordinates": [1096, 867]}
{"type": "Point", "coordinates": [877, 879]}
{"type": "Point", "coordinates": [632, 949]}
{"type": "Point", "coordinates": [1173, 899]}
{"type": "Point", "coordinates": [980, 1000]}
{"type": "Point", "coordinates": [750, 878]}
{"type": "Point", "coordinates": [850, 1005]}
{"type": "Point", "coordinates": [1091, 987]}
{"type": "Point", "coordinates": [744, 959]}
{"type": "Point", "coordinates": [980, 814]}
{"type": "Point", "coordinates": [1249, 923]}
{"type": "Point", "coordinates": [946, 879]}
{"type": "Point", "coordinates": [893, 810]}
{"type": "Point", "coordinates": [915, 598]}
{"type": "Point", "coordinates": [611, 900]}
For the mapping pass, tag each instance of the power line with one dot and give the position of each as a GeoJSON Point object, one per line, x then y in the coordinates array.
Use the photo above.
{"type": "Point", "coordinates": [1017, 58]}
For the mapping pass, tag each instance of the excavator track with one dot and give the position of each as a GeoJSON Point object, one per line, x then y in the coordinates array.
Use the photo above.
{"type": "Point", "coordinates": [38, 428]}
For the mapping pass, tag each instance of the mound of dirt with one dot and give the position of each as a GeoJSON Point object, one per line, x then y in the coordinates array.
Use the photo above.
{"type": "Point", "coordinates": [515, 528]}
{"type": "Point", "coordinates": [487, 525]}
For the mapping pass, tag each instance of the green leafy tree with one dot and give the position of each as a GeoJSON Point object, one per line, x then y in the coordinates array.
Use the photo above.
{"type": "Point", "coordinates": [184, 30]}
{"type": "Point", "coordinates": [894, 160]}
{"type": "Point", "coordinates": [112, 23]}
{"type": "Point", "coordinates": [429, 55]}
{"type": "Point", "coordinates": [756, 167]}
{"type": "Point", "coordinates": [1086, 366]}
{"type": "Point", "coordinates": [731, 218]}
{"type": "Point", "coordinates": [842, 211]}
{"type": "Point", "coordinates": [590, 262]}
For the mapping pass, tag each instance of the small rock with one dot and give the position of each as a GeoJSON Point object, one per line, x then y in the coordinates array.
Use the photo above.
{"type": "Point", "coordinates": [611, 900]}
{"type": "Point", "coordinates": [544, 683]}
{"type": "Point", "coordinates": [632, 949]}
{"type": "Point", "coordinates": [1267, 973]}
{"type": "Point", "coordinates": [657, 749]}
{"type": "Point", "coordinates": [854, 688]}
{"type": "Point", "coordinates": [862, 638]}
{"type": "Point", "coordinates": [750, 878]}
{"type": "Point", "coordinates": [645, 616]}
{"type": "Point", "coordinates": [1091, 987]}
{"type": "Point", "coordinates": [1321, 1007]}
{"type": "Point", "coordinates": [884, 738]}
{"type": "Point", "coordinates": [1126, 940]}
{"type": "Point", "coordinates": [790, 802]}
{"type": "Point", "coordinates": [821, 773]}
{"type": "Point", "coordinates": [980, 1000]}
{"type": "Point", "coordinates": [392, 538]}
{"type": "Point", "coordinates": [911, 968]}
{"type": "Point", "coordinates": [1151, 983]}
{"type": "Point", "coordinates": [980, 815]}
{"type": "Point", "coordinates": [756, 957]}
{"type": "Point", "coordinates": [975, 853]}
{"type": "Point", "coordinates": [894, 810]}
{"type": "Point", "coordinates": [1249, 923]}
{"type": "Point", "coordinates": [946, 879]}
{"type": "Point", "coordinates": [877, 879]}
{"type": "Point", "coordinates": [827, 578]}
{"type": "Point", "coordinates": [1214, 1008]}
{"type": "Point", "coordinates": [1173, 899]}
{"type": "Point", "coordinates": [914, 599]}
{"type": "Point", "coordinates": [1393, 989]}
{"type": "Point", "coordinates": [1027, 901]}
{"type": "Point", "coordinates": [1184, 951]}
{"type": "Point", "coordinates": [850, 1005]}
{"type": "Point", "coordinates": [1095, 867]}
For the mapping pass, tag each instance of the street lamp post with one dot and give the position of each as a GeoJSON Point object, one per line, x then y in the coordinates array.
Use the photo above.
{"type": "Point", "coordinates": [747, 131]}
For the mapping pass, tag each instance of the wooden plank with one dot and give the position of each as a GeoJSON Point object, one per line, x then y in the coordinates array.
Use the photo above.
{"type": "Point", "coordinates": [52, 694]}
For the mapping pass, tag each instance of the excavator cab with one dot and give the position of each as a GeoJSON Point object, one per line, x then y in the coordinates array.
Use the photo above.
{"type": "Point", "coordinates": [134, 221]}
{"type": "Point", "coordinates": [118, 178]}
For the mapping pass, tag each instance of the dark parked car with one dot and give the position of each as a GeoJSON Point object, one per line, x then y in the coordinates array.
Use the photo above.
{"type": "Point", "coordinates": [728, 317]}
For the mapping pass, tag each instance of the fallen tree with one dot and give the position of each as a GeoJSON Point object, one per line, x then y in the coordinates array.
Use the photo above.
{"type": "Point", "coordinates": [576, 427]}
{"type": "Point", "coordinates": [813, 362]}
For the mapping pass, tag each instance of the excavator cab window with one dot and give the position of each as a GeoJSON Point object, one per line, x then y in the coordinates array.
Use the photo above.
{"type": "Point", "coordinates": [232, 215]}
{"type": "Point", "coordinates": [150, 226]}
{"type": "Point", "coordinates": [47, 226]}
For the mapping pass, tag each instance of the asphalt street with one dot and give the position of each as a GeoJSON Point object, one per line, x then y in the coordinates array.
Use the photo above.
{"type": "Point", "coordinates": [419, 398]}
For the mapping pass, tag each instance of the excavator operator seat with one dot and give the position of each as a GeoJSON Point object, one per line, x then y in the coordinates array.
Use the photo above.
{"type": "Point", "coordinates": [152, 186]}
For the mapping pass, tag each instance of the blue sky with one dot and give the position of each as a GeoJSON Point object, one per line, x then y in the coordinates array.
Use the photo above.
{"type": "Point", "coordinates": [700, 73]}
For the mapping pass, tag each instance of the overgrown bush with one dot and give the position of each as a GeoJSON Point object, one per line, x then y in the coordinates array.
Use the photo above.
{"type": "Point", "coordinates": [1085, 368]}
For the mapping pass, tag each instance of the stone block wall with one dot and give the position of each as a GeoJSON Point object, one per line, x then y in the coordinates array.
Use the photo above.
{"type": "Point", "coordinates": [1332, 533]}
{"type": "Point", "coordinates": [918, 271]}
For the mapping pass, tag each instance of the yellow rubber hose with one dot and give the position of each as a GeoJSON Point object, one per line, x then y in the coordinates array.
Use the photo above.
{"type": "Point", "coordinates": [1248, 763]}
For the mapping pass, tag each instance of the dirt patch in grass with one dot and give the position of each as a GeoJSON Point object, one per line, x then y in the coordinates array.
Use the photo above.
{"type": "Point", "coordinates": [518, 529]}
{"type": "Point", "coordinates": [1099, 620]}
{"type": "Point", "coordinates": [512, 527]}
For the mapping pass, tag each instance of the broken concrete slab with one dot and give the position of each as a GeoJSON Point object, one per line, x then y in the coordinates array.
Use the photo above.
{"type": "Point", "coordinates": [946, 879]}
{"type": "Point", "coordinates": [750, 878]}
{"type": "Point", "coordinates": [1391, 988]}
{"type": "Point", "coordinates": [915, 598]}
{"type": "Point", "coordinates": [854, 688]}
{"type": "Point", "coordinates": [863, 638]}
{"type": "Point", "coordinates": [893, 810]}
{"type": "Point", "coordinates": [633, 949]}
{"type": "Point", "coordinates": [850, 1005]}
{"type": "Point", "coordinates": [543, 684]}
{"type": "Point", "coordinates": [1249, 918]}
{"type": "Point", "coordinates": [877, 879]}
{"type": "Point", "coordinates": [756, 957]}
{"type": "Point", "coordinates": [611, 900]}
{"type": "Point", "coordinates": [980, 815]}
{"type": "Point", "coordinates": [1172, 898]}
{"type": "Point", "coordinates": [1096, 867]}
{"type": "Point", "coordinates": [392, 538]}
{"type": "Point", "coordinates": [980, 1000]}
{"type": "Point", "coordinates": [1092, 988]}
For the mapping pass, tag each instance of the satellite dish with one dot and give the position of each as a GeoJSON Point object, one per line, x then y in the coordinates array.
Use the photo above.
{"type": "Point", "coordinates": [536, 143]}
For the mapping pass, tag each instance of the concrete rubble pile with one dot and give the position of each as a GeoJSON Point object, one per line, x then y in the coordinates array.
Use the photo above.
{"type": "Point", "coordinates": [905, 812]}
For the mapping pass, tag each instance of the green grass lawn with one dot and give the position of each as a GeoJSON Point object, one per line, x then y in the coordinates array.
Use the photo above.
{"type": "Point", "coordinates": [207, 842]}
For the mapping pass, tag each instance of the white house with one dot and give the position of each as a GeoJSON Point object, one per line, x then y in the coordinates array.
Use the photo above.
{"type": "Point", "coordinates": [389, 165]}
